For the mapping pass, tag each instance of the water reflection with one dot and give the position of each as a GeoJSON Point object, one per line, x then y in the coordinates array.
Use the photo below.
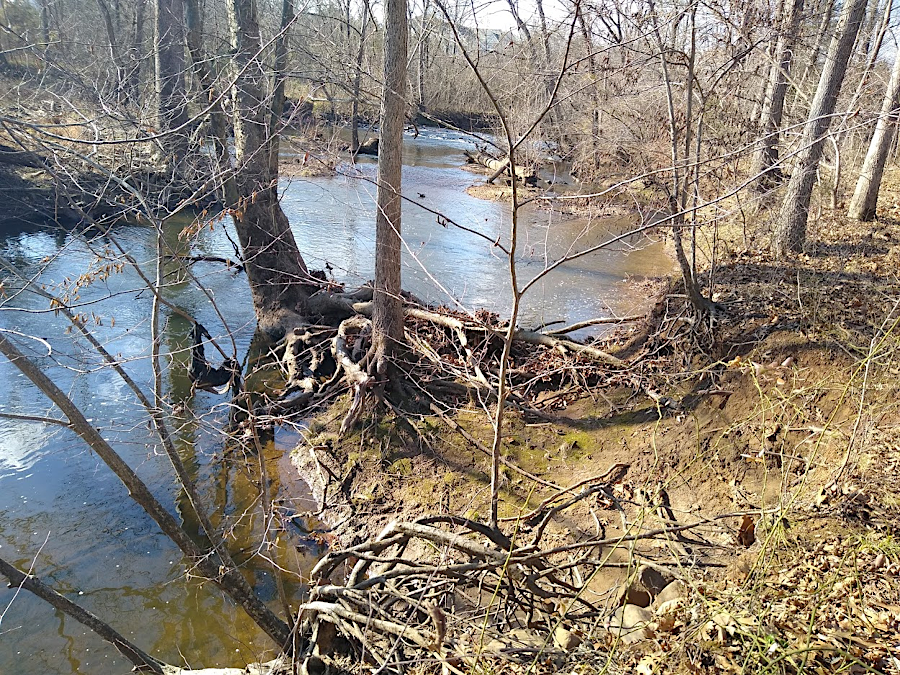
{"type": "Point", "coordinates": [94, 542]}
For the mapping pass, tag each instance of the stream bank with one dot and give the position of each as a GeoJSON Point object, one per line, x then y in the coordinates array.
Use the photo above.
{"type": "Point", "coordinates": [762, 478]}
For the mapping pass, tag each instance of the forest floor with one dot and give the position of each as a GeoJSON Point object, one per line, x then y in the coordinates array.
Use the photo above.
{"type": "Point", "coordinates": [761, 478]}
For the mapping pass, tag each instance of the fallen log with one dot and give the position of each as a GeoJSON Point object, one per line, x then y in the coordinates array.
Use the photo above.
{"type": "Point", "coordinates": [369, 147]}
{"type": "Point", "coordinates": [498, 166]}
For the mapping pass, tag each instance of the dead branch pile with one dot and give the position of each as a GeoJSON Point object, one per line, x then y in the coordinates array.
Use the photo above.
{"type": "Point", "coordinates": [451, 592]}
{"type": "Point", "coordinates": [453, 355]}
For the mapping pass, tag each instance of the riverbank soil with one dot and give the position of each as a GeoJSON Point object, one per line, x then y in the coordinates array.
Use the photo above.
{"type": "Point", "coordinates": [728, 502]}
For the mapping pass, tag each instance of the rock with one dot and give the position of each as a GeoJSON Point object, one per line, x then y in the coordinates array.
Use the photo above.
{"type": "Point", "coordinates": [653, 580]}
{"type": "Point", "coordinates": [667, 614]}
{"type": "Point", "coordinates": [635, 595]}
{"type": "Point", "coordinates": [674, 591]}
{"type": "Point", "coordinates": [518, 638]}
{"type": "Point", "coordinates": [565, 639]}
{"type": "Point", "coordinates": [630, 623]}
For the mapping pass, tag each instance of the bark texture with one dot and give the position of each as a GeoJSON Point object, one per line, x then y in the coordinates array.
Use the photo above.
{"type": "Point", "coordinates": [170, 89]}
{"type": "Point", "coordinates": [790, 232]}
{"type": "Point", "coordinates": [275, 268]}
{"type": "Point", "coordinates": [387, 316]}
{"type": "Point", "coordinates": [766, 159]}
{"type": "Point", "coordinates": [865, 198]}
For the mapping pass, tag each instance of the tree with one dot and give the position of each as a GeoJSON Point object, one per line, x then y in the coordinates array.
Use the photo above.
{"type": "Point", "coordinates": [275, 269]}
{"type": "Point", "coordinates": [790, 233]}
{"type": "Point", "coordinates": [766, 158]}
{"type": "Point", "coordinates": [170, 89]}
{"type": "Point", "coordinates": [387, 316]}
{"type": "Point", "coordinates": [865, 198]}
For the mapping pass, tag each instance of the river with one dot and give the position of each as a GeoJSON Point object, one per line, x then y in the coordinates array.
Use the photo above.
{"type": "Point", "coordinates": [61, 509]}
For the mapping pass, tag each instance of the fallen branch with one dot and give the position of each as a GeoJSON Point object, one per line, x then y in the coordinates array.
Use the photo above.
{"type": "Point", "coordinates": [595, 322]}
{"type": "Point", "coordinates": [141, 660]}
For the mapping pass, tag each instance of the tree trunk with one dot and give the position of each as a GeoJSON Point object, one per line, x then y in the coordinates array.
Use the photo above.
{"type": "Point", "coordinates": [594, 153]}
{"type": "Point", "coordinates": [766, 158]}
{"type": "Point", "coordinates": [387, 314]}
{"type": "Point", "coordinates": [135, 52]}
{"type": "Point", "coordinates": [170, 89]}
{"type": "Point", "coordinates": [218, 121]}
{"type": "Point", "coordinates": [140, 659]}
{"type": "Point", "coordinates": [278, 78]}
{"type": "Point", "coordinates": [865, 198]}
{"type": "Point", "coordinates": [357, 78]}
{"type": "Point", "coordinates": [790, 233]}
{"type": "Point", "coordinates": [275, 269]}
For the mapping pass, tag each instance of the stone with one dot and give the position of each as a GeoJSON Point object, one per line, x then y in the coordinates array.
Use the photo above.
{"type": "Point", "coordinates": [635, 595]}
{"type": "Point", "coordinates": [653, 579]}
{"type": "Point", "coordinates": [630, 623]}
{"type": "Point", "coordinates": [565, 639]}
{"type": "Point", "coordinates": [677, 589]}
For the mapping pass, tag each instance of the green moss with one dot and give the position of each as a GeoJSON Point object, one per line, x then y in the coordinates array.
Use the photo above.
{"type": "Point", "coordinates": [402, 467]}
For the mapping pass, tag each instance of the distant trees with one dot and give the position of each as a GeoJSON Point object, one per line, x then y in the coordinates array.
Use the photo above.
{"type": "Point", "coordinates": [865, 197]}
{"type": "Point", "coordinates": [790, 233]}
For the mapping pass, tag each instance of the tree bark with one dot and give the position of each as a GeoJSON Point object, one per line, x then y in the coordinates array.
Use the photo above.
{"type": "Point", "coordinates": [275, 268]}
{"type": "Point", "coordinates": [357, 79]}
{"type": "Point", "coordinates": [865, 198]}
{"type": "Point", "coordinates": [170, 89]}
{"type": "Point", "coordinates": [766, 158]}
{"type": "Point", "coordinates": [790, 232]}
{"type": "Point", "coordinates": [387, 315]}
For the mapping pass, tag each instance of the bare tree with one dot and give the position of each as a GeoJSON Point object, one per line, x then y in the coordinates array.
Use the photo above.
{"type": "Point", "coordinates": [387, 317]}
{"type": "Point", "coordinates": [170, 88]}
{"type": "Point", "coordinates": [275, 269]}
{"type": "Point", "coordinates": [865, 198]}
{"type": "Point", "coordinates": [766, 158]}
{"type": "Point", "coordinates": [790, 233]}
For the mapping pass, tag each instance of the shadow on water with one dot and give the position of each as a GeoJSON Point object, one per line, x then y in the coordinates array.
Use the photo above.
{"type": "Point", "coordinates": [61, 508]}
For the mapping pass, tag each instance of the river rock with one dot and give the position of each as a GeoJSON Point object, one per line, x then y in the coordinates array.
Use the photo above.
{"type": "Point", "coordinates": [674, 591]}
{"type": "Point", "coordinates": [646, 585]}
{"type": "Point", "coordinates": [654, 580]}
{"type": "Point", "coordinates": [518, 638]}
{"type": "Point", "coordinates": [630, 623]}
{"type": "Point", "coordinates": [565, 639]}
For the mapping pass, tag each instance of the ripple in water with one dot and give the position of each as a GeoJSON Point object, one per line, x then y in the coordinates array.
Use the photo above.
{"type": "Point", "coordinates": [22, 445]}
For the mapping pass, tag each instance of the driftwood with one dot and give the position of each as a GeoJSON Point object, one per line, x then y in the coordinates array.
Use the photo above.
{"type": "Point", "coordinates": [457, 355]}
{"type": "Point", "coordinates": [498, 166]}
{"type": "Point", "coordinates": [369, 147]}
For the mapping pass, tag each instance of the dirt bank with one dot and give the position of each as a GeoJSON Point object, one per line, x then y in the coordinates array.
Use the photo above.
{"type": "Point", "coordinates": [753, 458]}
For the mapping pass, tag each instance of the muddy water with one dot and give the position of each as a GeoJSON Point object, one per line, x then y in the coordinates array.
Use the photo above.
{"type": "Point", "coordinates": [61, 509]}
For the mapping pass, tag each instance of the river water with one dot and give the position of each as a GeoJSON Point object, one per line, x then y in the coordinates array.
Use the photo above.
{"type": "Point", "coordinates": [62, 512]}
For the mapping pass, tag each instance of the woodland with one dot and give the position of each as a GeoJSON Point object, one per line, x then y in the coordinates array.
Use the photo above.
{"type": "Point", "coordinates": [704, 484]}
